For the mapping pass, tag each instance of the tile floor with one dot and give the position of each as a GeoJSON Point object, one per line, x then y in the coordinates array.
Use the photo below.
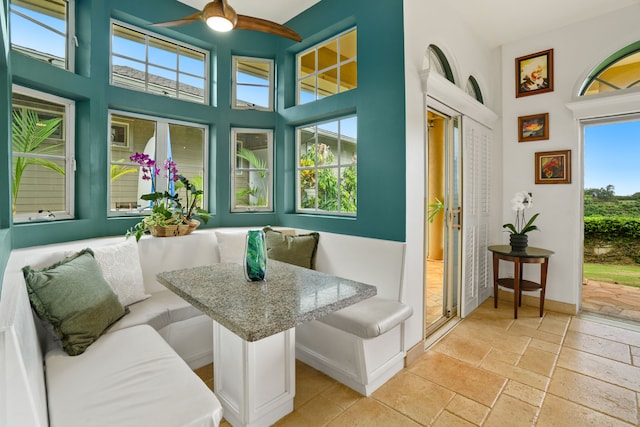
{"type": "Point", "coordinates": [492, 370]}
{"type": "Point", "coordinates": [611, 299]}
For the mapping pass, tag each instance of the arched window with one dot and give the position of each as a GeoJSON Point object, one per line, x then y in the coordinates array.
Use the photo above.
{"type": "Point", "coordinates": [619, 71]}
{"type": "Point", "coordinates": [473, 89]}
{"type": "Point", "coordinates": [439, 63]}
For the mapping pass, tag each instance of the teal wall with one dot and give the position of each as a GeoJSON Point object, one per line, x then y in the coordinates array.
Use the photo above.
{"type": "Point", "coordinates": [378, 101]}
{"type": "Point", "coordinates": [5, 152]}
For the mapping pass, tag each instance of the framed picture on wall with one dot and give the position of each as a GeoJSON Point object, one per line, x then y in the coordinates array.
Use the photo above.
{"type": "Point", "coordinates": [533, 128]}
{"type": "Point", "coordinates": [553, 167]}
{"type": "Point", "coordinates": [534, 73]}
{"type": "Point", "coordinates": [120, 134]}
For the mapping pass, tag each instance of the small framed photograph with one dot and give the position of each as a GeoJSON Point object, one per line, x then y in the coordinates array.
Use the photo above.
{"type": "Point", "coordinates": [553, 167]}
{"type": "Point", "coordinates": [533, 128]}
{"type": "Point", "coordinates": [120, 134]}
{"type": "Point", "coordinates": [534, 73]}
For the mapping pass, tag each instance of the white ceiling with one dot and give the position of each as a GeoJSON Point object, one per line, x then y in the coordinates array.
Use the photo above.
{"type": "Point", "coordinates": [496, 21]}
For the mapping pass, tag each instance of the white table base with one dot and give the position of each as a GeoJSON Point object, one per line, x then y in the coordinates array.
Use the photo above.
{"type": "Point", "coordinates": [254, 381]}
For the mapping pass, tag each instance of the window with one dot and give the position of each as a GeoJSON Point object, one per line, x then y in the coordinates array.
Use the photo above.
{"type": "Point", "coordinates": [327, 172]}
{"type": "Point", "coordinates": [473, 89]}
{"type": "Point", "coordinates": [150, 63]}
{"type": "Point", "coordinates": [42, 160]}
{"type": "Point", "coordinates": [252, 84]}
{"type": "Point", "coordinates": [43, 30]}
{"type": "Point", "coordinates": [251, 166]}
{"type": "Point", "coordinates": [438, 62]}
{"type": "Point", "coordinates": [618, 72]}
{"type": "Point", "coordinates": [328, 68]}
{"type": "Point", "coordinates": [184, 143]}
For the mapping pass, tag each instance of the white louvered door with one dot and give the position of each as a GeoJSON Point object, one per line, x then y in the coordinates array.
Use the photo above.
{"type": "Point", "coordinates": [476, 283]}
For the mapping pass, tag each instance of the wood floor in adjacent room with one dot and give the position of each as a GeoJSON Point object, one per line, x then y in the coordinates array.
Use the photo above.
{"type": "Point", "coordinates": [492, 370]}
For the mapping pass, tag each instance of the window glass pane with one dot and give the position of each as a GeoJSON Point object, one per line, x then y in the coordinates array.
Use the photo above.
{"type": "Point", "coordinates": [335, 71]}
{"type": "Point", "coordinates": [40, 153]}
{"type": "Point", "coordinates": [252, 180]}
{"type": "Point", "coordinates": [253, 83]}
{"type": "Point", "coordinates": [157, 65]}
{"type": "Point", "coordinates": [623, 73]}
{"type": "Point", "coordinates": [33, 21]}
{"type": "Point", "coordinates": [327, 174]}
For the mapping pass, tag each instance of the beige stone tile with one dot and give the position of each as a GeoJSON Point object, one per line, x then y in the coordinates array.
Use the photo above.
{"type": "Point", "coordinates": [607, 370]}
{"type": "Point", "coordinates": [545, 345]}
{"type": "Point", "coordinates": [497, 337]}
{"type": "Point", "coordinates": [464, 348]}
{"type": "Point", "coordinates": [600, 346]}
{"type": "Point", "coordinates": [503, 356]}
{"type": "Point", "coordinates": [371, 413]}
{"type": "Point", "coordinates": [447, 419]}
{"type": "Point", "coordinates": [509, 411]}
{"type": "Point", "coordinates": [414, 396]}
{"type": "Point", "coordinates": [516, 373]}
{"type": "Point", "coordinates": [602, 330]}
{"type": "Point", "coordinates": [341, 395]}
{"type": "Point", "coordinates": [538, 361]}
{"type": "Point", "coordinates": [309, 383]}
{"type": "Point", "coordinates": [477, 384]}
{"type": "Point", "coordinates": [535, 333]}
{"type": "Point", "coordinates": [635, 356]}
{"type": "Point", "coordinates": [595, 394]}
{"type": "Point", "coordinates": [318, 411]}
{"type": "Point", "coordinates": [554, 324]}
{"type": "Point", "coordinates": [557, 412]}
{"type": "Point", "coordinates": [467, 409]}
{"type": "Point", "coordinates": [526, 393]}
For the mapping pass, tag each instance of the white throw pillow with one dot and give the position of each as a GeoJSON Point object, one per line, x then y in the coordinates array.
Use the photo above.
{"type": "Point", "coordinates": [121, 268]}
{"type": "Point", "coordinates": [231, 245]}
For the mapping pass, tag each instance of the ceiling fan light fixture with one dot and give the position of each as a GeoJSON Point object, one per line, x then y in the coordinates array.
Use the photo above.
{"type": "Point", "coordinates": [219, 23]}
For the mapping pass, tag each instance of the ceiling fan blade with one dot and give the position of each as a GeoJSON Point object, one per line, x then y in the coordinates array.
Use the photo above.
{"type": "Point", "coordinates": [178, 22]}
{"type": "Point", "coordinates": [257, 24]}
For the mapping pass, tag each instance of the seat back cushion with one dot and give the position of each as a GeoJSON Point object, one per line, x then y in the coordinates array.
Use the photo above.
{"type": "Point", "coordinates": [298, 250]}
{"type": "Point", "coordinates": [73, 296]}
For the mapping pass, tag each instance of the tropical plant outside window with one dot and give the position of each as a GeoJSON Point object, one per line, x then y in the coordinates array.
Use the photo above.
{"type": "Point", "coordinates": [252, 87]}
{"type": "Point", "coordinates": [147, 62]}
{"type": "Point", "coordinates": [251, 175]}
{"type": "Point", "coordinates": [328, 68]}
{"type": "Point", "coordinates": [183, 143]}
{"type": "Point", "coordinates": [33, 21]}
{"type": "Point", "coordinates": [327, 167]}
{"type": "Point", "coordinates": [42, 156]}
{"type": "Point", "coordinates": [619, 71]}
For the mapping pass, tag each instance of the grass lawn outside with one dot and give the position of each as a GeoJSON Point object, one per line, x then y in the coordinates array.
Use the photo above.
{"type": "Point", "coordinates": [628, 275]}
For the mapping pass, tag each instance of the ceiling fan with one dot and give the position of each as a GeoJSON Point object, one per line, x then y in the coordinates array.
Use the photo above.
{"type": "Point", "coordinates": [219, 16]}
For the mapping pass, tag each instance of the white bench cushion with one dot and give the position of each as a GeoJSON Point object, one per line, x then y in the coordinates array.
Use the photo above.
{"type": "Point", "coordinates": [131, 377]}
{"type": "Point", "coordinates": [369, 318]}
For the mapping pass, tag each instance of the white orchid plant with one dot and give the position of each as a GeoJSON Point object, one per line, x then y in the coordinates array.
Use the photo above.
{"type": "Point", "coordinates": [522, 200]}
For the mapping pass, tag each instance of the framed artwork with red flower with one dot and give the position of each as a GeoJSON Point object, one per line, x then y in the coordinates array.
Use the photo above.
{"type": "Point", "coordinates": [553, 167]}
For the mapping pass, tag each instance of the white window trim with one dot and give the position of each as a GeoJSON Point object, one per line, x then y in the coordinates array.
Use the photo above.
{"type": "Point", "coordinates": [234, 83]}
{"type": "Point", "coordinates": [69, 159]}
{"type": "Point", "coordinates": [207, 73]}
{"type": "Point", "coordinates": [270, 168]}
{"type": "Point", "coordinates": [161, 153]}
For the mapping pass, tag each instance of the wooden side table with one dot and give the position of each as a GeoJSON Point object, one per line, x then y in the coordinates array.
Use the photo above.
{"type": "Point", "coordinates": [530, 255]}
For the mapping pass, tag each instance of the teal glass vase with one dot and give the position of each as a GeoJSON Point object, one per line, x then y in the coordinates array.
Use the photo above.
{"type": "Point", "coordinates": [255, 256]}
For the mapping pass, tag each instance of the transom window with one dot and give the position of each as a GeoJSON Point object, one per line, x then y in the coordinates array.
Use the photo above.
{"type": "Point", "coordinates": [147, 62]}
{"type": "Point", "coordinates": [43, 30]}
{"type": "Point", "coordinates": [473, 89]}
{"type": "Point", "coordinates": [162, 139]}
{"type": "Point", "coordinates": [327, 167]}
{"type": "Point", "coordinates": [251, 170]}
{"type": "Point", "coordinates": [252, 84]}
{"type": "Point", "coordinates": [328, 68]}
{"type": "Point", "coordinates": [42, 156]}
{"type": "Point", "coordinates": [439, 63]}
{"type": "Point", "coordinates": [620, 71]}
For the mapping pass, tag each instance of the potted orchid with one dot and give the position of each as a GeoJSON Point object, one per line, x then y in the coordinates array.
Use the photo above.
{"type": "Point", "coordinates": [518, 239]}
{"type": "Point", "coordinates": [168, 217]}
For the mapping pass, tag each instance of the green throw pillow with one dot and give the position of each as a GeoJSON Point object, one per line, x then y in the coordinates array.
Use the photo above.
{"type": "Point", "coordinates": [298, 250]}
{"type": "Point", "coordinates": [75, 299]}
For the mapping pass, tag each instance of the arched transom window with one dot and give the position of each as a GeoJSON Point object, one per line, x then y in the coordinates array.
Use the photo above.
{"type": "Point", "coordinates": [619, 71]}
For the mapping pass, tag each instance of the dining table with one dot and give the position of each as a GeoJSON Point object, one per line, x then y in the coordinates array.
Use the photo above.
{"type": "Point", "coordinates": [254, 329]}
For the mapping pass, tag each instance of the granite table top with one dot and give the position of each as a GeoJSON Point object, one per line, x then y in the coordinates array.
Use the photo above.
{"type": "Point", "coordinates": [288, 296]}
